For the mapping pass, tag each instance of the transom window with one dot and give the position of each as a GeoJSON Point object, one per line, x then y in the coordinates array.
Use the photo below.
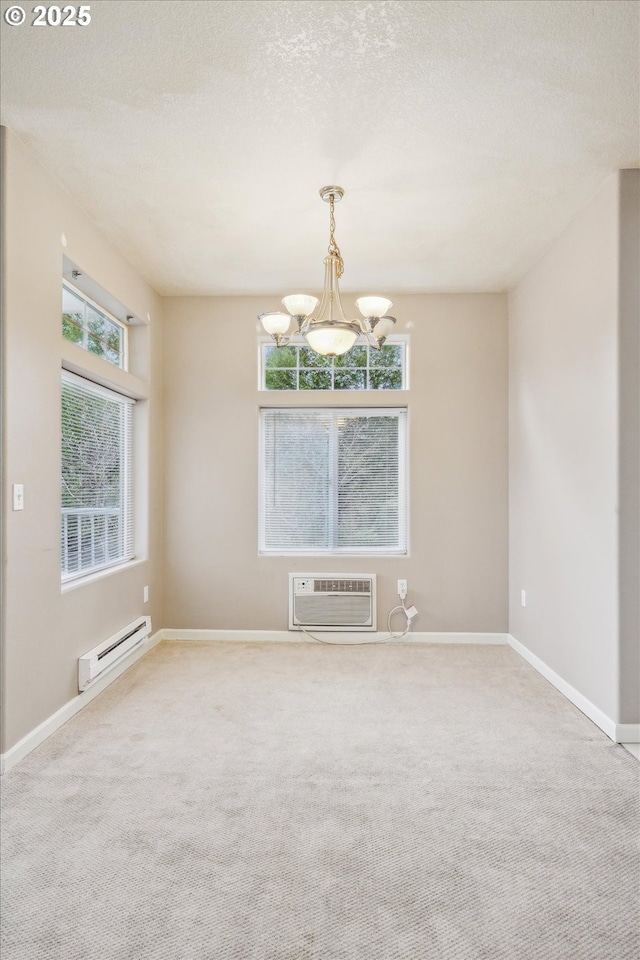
{"type": "Point", "coordinates": [333, 481]}
{"type": "Point", "coordinates": [92, 328]}
{"type": "Point", "coordinates": [297, 367]}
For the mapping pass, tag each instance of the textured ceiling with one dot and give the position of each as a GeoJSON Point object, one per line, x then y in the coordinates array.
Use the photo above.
{"type": "Point", "coordinates": [197, 134]}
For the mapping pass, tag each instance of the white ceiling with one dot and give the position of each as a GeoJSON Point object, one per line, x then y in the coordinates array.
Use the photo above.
{"type": "Point", "coordinates": [466, 133]}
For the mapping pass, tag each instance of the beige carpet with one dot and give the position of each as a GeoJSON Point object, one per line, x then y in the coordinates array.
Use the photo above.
{"type": "Point", "coordinates": [301, 802]}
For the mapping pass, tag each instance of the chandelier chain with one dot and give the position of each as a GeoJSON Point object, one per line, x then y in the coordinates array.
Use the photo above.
{"type": "Point", "coordinates": [334, 249]}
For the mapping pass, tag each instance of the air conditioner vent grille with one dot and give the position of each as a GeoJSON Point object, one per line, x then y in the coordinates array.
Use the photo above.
{"type": "Point", "coordinates": [342, 586]}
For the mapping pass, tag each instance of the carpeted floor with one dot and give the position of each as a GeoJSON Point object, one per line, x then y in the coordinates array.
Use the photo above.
{"type": "Point", "coordinates": [300, 802]}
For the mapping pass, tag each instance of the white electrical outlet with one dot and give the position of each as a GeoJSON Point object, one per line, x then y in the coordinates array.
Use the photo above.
{"type": "Point", "coordinates": [402, 589]}
{"type": "Point", "coordinates": [523, 598]}
{"type": "Point", "coordinates": [145, 594]}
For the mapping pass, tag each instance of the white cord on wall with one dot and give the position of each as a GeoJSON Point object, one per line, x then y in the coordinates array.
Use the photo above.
{"type": "Point", "coordinates": [356, 643]}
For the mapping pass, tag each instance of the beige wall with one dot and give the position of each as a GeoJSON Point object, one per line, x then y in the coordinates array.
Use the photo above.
{"type": "Point", "coordinates": [629, 444]}
{"type": "Point", "coordinates": [564, 480]}
{"type": "Point", "coordinates": [457, 570]}
{"type": "Point", "coordinates": [44, 628]}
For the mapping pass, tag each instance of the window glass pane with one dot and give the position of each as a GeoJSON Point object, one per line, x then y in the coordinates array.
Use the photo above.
{"type": "Point", "coordinates": [356, 357]}
{"type": "Point", "coordinates": [113, 356]}
{"type": "Point", "coordinates": [113, 336]}
{"type": "Point", "coordinates": [72, 304]}
{"type": "Point", "coordinates": [95, 322]}
{"type": "Point", "coordinates": [315, 380]}
{"type": "Point", "coordinates": [368, 482]}
{"type": "Point", "coordinates": [280, 379]}
{"type": "Point", "coordinates": [72, 316]}
{"type": "Point", "coordinates": [296, 480]}
{"type": "Point", "coordinates": [72, 327]}
{"type": "Point", "coordinates": [309, 358]}
{"type": "Point", "coordinates": [390, 355]}
{"type": "Point", "coordinates": [385, 379]}
{"type": "Point", "coordinates": [350, 380]}
{"type": "Point", "coordinates": [280, 356]}
{"type": "Point", "coordinates": [95, 345]}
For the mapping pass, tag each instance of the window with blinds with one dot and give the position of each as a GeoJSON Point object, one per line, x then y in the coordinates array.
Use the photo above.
{"type": "Point", "coordinates": [97, 477]}
{"type": "Point", "coordinates": [333, 481]}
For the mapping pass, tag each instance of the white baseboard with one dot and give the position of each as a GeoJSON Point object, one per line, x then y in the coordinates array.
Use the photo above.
{"type": "Point", "coordinates": [296, 636]}
{"type": "Point", "coordinates": [627, 733]}
{"type": "Point", "coordinates": [619, 732]}
{"type": "Point", "coordinates": [60, 717]}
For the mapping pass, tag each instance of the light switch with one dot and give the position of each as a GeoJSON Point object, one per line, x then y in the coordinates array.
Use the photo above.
{"type": "Point", "coordinates": [18, 496]}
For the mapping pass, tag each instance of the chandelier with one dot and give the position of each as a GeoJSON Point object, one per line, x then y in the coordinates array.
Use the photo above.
{"type": "Point", "coordinates": [327, 330]}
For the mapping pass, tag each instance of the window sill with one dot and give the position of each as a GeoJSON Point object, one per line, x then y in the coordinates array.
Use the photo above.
{"type": "Point", "coordinates": [334, 555]}
{"type": "Point", "coordinates": [68, 585]}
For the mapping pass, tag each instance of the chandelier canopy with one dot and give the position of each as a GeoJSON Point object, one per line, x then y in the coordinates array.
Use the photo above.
{"type": "Point", "coordinates": [326, 329]}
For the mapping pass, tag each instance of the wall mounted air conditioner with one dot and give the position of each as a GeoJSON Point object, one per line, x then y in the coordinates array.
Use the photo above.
{"type": "Point", "coordinates": [107, 654]}
{"type": "Point", "coordinates": [322, 601]}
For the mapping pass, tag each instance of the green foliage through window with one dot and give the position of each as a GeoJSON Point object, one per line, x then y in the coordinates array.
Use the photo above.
{"type": "Point", "coordinates": [297, 367]}
{"type": "Point", "coordinates": [91, 329]}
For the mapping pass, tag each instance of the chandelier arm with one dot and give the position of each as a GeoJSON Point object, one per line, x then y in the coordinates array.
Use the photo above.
{"type": "Point", "coordinates": [319, 312]}
{"type": "Point", "coordinates": [335, 265]}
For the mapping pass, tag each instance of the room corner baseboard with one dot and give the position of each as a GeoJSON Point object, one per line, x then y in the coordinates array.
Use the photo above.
{"type": "Point", "coordinates": [627, 733]}
{"type": "Point", "coordinates": [619, 732]}
{"type": "Point", "coordinates": [66, 712]}
{"type": "Point", "coordinates": [296, 636]}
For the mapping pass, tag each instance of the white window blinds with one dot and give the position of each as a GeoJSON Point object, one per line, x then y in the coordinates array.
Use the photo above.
{"type": "Point", "coordinates": [333, 481]}
{"type": "Point", "coordinates": [97, 477]}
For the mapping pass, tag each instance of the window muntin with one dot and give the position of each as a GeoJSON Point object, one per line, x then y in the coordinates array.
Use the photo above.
{"type": "Point", "coordinates": [92, 328]}
{"type": "Point", "coordinates": [297, 367]}
{"type": "Point", "coordinates": [97, 478]}
{"type": "Point", "coordinates": [333, 481]}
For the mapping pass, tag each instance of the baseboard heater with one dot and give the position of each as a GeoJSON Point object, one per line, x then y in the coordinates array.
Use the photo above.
{"type": "Point", "coordinates": [106, 655]}
{"type": "Point", "coordinates": [322, 601]}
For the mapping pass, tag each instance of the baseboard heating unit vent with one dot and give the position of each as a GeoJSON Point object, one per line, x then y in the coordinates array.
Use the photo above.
{"type": "Point", "coordinates": [322, 601]}
{"type": "Point", "coordinates": [97, 661]}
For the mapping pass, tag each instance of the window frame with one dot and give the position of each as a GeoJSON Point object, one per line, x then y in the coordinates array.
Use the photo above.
{"type": "Point", "coordinates": [90, 302]}
{"type": "Point", "coordinates": [402, 413]}
{"type": "Point", "coordinates": [298, 341]}
{"type": "Point", "coordinates": [127, 506]}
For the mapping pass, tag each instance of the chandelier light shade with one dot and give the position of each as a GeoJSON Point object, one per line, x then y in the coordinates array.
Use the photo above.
{"type": "Point", "coordinates": [276, 324]}
{"type": "Point", "coordinates": [322, 322]}
{"type": "Point", "coordinates": [300, 305]}
{"type": "Point", "coordinates": [373, 306]}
